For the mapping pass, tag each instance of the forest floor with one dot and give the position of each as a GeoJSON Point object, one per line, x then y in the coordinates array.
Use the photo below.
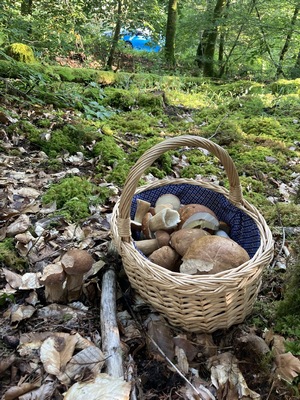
{"type": "Point", "coordinates": [50, 349]}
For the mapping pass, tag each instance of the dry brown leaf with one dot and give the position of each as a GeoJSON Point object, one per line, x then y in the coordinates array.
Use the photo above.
{"type": "Point", "coordinates": [19, 313]}
{"type": "Point", "coordinates": [190, 350]}
{"type": "Point", "coordinates": [182, 362]}
{"type": "Point", "coordinates": [84, 365]}
{"type": "Point", "coordinates": [159, 331]}
{"type": "Point", "coordinates": [206, 344]}
{"type": "Point", "coordinates": [228, 379]}
{"type": "Point", "coordinates": [20, 225]}
{"type": "Point", "coordinates": [28, 192]}
{"type": "Point", "coordinates": [14, 280]}
{"type": "Point", "coordinates": [6, 362]}
{"type": "Point", "coordinates": [30, 280]}
{"type": "Point", "coordinates": [288, 366]}
{"type": "Point", "coordinates": [17, 391]}
{"type": "Point", "coordinates": [56, 351]}
{"type": "Point", "coordinates": [102, 387]}
{"type": "Point", "coordinates": [46, 391]}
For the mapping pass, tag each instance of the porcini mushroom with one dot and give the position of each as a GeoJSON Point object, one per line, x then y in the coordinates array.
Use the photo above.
{"type": "Point", "coordinates": [182, 239]}
{"type": "Point", "coordinates": [148, 246]}
{"type": "Point", "coordinates": [53, 278]}
{"type": "Point", "coordinates": [165, 257]}
{"type": "Point", "coordinates": [165, 219]}
{"type": "Point", "coordinates": [188, 210]}
{"type": "Point", "coordinates": [212, 254]}
{"type": "Point", "coordinates": [202, 220]}
{"type": "Point", "coordinates": [76, 263]}
{"type": "Point", "coordinates": [142, 207]}
{"type": "Point", "coordinates": [169, 198]}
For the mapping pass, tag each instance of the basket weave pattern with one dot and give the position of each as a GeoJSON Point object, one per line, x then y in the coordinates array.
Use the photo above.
{"type": "Point", "coordinates": [197, 303]}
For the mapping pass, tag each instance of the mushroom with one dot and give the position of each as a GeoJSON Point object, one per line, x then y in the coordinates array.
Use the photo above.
{"type": "Point", "coordinates": [160, 207]}
{"type": "Point", "coordinates": [148, 246]}
{"type": "Point", "coordinates": [76, 263]}
{"type": "Point", "coordinates": [182, 239]}
{"type": "Point", "coordinates": [53, 278]}
{"type": "Point", "coordinates": [145, 226]}
{"type": "Point", "coordinates": [142, 207]}
{"type": "Point", "coordinates": [165, 219]}
{"type": "Point", "coordinates": [212, 254]}
{"type": "Point", "coordinates": [188, 210]}
{"type": "Point", "coordinates": [202, 220]}
{"type": "Point", "coordinates": [165, 257]}
{"type": "Point", "coordinates": [169, 199]}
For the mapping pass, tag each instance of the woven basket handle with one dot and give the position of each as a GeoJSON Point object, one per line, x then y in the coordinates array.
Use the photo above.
{"type": "Point", "coordinates": [147, 159]}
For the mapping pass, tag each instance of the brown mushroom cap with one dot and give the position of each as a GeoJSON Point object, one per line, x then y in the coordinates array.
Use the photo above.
{"type": "Point", "coordinates": [182, 239]}
{"type": "Point", "coordinates": [212, 254]}
{"type": "Point", "coordinates": [188, 210]}
{"type": "Point", "coordinates": [77, 262]}
{"type": "Point", "coordinates": [53, 274]}
{"type": "Point", "coordinates": [165, 257]}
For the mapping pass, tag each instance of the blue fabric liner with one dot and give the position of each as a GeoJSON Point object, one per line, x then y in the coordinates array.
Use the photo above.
{"type": "Point", "coordinates": [243, 228]}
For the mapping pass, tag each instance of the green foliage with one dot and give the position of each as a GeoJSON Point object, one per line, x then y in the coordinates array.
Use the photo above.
{"type": "Point", "coordinates": [73, 195]}
{"type": "Point", "coordinates": [108, 151]}
{"type": "Point", "coordinates": [287, 320]}
{"type": "Point", "coordinates": [285, 214]}
{"type": "Point", "coordinates": [9, 257]}
{"type": "Point", "coordinates": [69, 138]}
{"type": "Point", "coordinates": [20, 52]}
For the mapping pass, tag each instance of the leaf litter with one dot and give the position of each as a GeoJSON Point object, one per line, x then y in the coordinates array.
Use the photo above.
{"type": "Point", "coordinates": [53, 351]}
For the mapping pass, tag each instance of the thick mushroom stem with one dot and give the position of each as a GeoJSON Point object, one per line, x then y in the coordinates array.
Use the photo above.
{"type": "Point", "coordinates": [165, 219]}
{"type": "Point", "coordinates": [53, 278]}
{"type": "Point", "coordinates": [142, 207]}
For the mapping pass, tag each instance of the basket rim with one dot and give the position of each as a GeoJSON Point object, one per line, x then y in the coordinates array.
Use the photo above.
{"type": "Point", "coordinates": [258, 261]}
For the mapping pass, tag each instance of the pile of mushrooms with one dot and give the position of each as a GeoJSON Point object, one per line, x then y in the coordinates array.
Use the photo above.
{"type": "Point", "coordinates": [185, 238]}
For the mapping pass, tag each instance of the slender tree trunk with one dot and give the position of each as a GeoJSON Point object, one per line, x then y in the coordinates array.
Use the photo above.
{"type": "Point", "coordinates": [26, 7]}
{"type": "Point", "coordinates": [170, 33]}
{"type": "Point", "coordinates": [287, 42]}
{"type": "Point", "coordinates": [207, 45]}
{"type": "Point", "coordinates": [116, 36]}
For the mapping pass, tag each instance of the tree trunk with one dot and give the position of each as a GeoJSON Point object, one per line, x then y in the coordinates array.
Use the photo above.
{"type": "Point", "coordinates": [287, 42]}
{"type": "Point", "coordinates": [207, 45]}
{"type": "Point", "coordinates": [170, 33]}
{"type": "Point", "coordinates": [116, 36]}
{"type": "Point", "coordinates": [26, 7]}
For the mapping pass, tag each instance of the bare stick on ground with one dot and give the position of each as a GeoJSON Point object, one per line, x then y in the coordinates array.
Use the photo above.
{"type": "Point", "coordinates": [109, 328]}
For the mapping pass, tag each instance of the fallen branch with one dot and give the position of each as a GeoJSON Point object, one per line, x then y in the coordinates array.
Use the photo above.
{"type": "Point", "coordinates": [109, 328]}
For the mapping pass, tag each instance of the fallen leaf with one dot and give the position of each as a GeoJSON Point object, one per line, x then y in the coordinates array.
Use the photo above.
{"type": "Point", "coordinates": [14, 280]}
{"type": "Point", "coordinates": [46, 391]}
{"type": "Point", "coordinates": [288, 366]}
{"type": "Point", "coordinates": [6, 362]}
{"type": "Point", "coordinates": [228, 379]}
{"type": "Point", "coordinates": [15, 392]}
{"type": "Point", "coordinates": [19, 313]}
{"type": "Point", "coordinates": [84, 365]}
{"type": "Point", "coordinates": [160, 333]}
{"type": "Point", "coordinates": [56, 351]}
{"type": "Point", "coordinates": [20, 225]}
{"type": "Point", "coordinates": [102, 387]}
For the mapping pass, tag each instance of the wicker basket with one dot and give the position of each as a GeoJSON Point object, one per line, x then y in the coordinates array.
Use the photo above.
{"type": "Point", "coordinates": [196, 303]}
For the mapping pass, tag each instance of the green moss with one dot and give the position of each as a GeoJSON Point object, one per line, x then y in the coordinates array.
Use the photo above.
{"type": "Point", "coordinates": [73, 195]}
{"type": "Point", "coordinates": [20, 52]}
{"type": "Point", "coordinates": [284, 86]}
{"type": "Point", "coordinates": [283, 214]}
{"type": "Point", "coordinates": [120, 98]}
{"type": "Point", "coordinates": [118, 174]}
{"type": "Point", "coordinates": [9, 257]}
{"type": "Point", "coordinates": [163, 163]}
{"type": "Point", "coordinates": [108, 152]}
{"type": "Point", "coordinates": [135, 121]}
{"type": "Point", "coordinates": [70, 138]}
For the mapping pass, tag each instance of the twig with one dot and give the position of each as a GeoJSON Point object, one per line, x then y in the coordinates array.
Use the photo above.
{"type": "Point", "coordinates": [109, 329]}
